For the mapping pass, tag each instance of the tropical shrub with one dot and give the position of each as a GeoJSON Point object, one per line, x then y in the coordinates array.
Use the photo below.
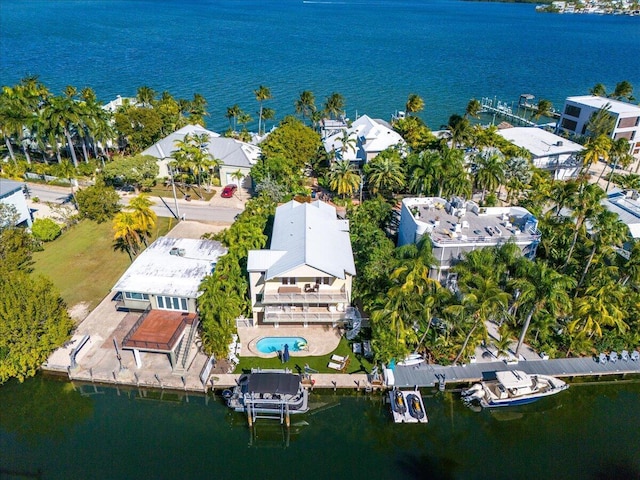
{"type": "Point", "coordinates": [45, 229]}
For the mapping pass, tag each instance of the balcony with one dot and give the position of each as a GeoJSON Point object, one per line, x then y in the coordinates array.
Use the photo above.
{"type": "Point", "coordinates": [291, 314]}
{"type": "Point", "coordinates": [294, 294]}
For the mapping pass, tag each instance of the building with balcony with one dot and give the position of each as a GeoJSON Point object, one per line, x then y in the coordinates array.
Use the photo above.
{"type": "Point", "coordinates": [306, 275]}
{"type": "Point", "coordinates": [548, 151]}
{"type": "Point", "coordinates": [456, 227]}
{"type": "Point", "coordinates": [578, 111]}
{"type": "Point", "coordinates": [163, 283]}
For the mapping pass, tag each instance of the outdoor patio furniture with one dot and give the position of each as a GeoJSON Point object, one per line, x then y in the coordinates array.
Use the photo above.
{"type": "Point", "coordinates": [613, 357]}
{"type": "Point", "coordinates": [602, 358]}
{"type": "Point", "coordinates": [635, 356]}
{"type": "Point", "coordinates": [337, 358]}
{"type": "Point", "coordinates": [335, 366]}
{"type": "Point", "coordinates": [624, 356]}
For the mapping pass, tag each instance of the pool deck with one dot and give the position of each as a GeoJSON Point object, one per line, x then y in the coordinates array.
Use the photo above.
{"type": "Point", "coordinates": [321, 339]}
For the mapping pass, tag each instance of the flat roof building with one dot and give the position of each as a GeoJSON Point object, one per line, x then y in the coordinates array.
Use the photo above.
{"type": "Point", "coordinates": [456, 227]}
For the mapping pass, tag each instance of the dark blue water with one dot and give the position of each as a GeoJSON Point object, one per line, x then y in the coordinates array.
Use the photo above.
{"type": "Point", "coordinates": [374, 53]}
{"type": "Point", "coordinates": [587, 432]}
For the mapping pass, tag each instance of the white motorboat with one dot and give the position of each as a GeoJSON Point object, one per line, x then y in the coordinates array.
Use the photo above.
{"type": "Point", "coordinates": [412, 359]}
{"type": "Point", "coordinates": [513, 387]}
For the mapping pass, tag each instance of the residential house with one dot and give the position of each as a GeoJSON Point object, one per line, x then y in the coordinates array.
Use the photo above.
{"type": "Point", "coordinates": [369, 137]}
{"type": "Point", "coordinates": [12, 193]}
{"type": "Point", "coordinates": [625, 204]}
{"type": "Point", "coordinates": [236, 157]}
{"type": "Point", "coordinates": [455, 227]}
{"type": "Point", "coordinates": [163, 282]}
{"type": "Point", "coordinates": [578, 111]}
{"type": "Point", "coordinates": [548, 151]}
{"type": "Point", "coordinates": [306, 274]}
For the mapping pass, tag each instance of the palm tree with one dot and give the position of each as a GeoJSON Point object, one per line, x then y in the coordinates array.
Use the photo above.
{"type": "Point", "coordinates": [145, 96]}
{"type": "Point", "coordinates": [414, 104]}
{"type": "Point", "coordinates": [384, 173]}
{"type": "Point", "coordinates": [599, 90]}
{"type": "Point", "coordinates": [198, 110]}
{"type": "Point", "coordinates": [126, 233]}
{"type": "Point", "coordinates": [459, 130]}
{"type": "Point", "coordinates": [490, 170]}
{"type": "Point", "coordinates": [620, 154]}
{"type": "Point", "coordinates": [473, 108]}
{"type": "Point", "coordinates": [267, 114]}
{"type": "Point", "coordinates": [601, 122]}
{"type": "Point", "coordinates": [58, 117]}
{"type": "Point", "coordinates": [596, 149]}
{"type": "Point", "coordinates": [585, 206]}
{"type": "Point", "coordinates": [543, 109]}
{"type": "Point", "coordinates": [542, 290]}
{"type": "Point", "coordinates": [262, 94]}
{"type": "Point", "coordinates": [623, 91]}
{"type": "Point", "coordinates": [600, 306]}
{"type": "Point", "coordinates": [347, 143]}
{"type": "Point", "coordinates": [306, 104]}
{"type": "Point", "coordinates": [426, 173]}
{"type": "Point", "coordinates": [233, 113]}
{"type": "Point", "coordinates": [334, 105]}
{"type": "Point", "coordinates": [145, 218]}
{"type": "Point", "coordinates": [343, 178]}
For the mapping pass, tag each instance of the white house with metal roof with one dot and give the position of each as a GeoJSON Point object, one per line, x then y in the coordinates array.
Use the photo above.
{"type": "Point", "coordinates": [167, 274]}
{"type": "Point", "coordinates": [306, 275]}
{"type": "Point", "coordinates": [456, 227]}
{"type": "Point", "coordinates": [578, 110]}
{"type": "Point", "coordinates": [548, 151]}
{"type": "Point", "coordinates": [370, 137]}
{"type": "Point", "coordinates": [626, 204]}
{"type": "Point", "coordinates": [12, 193]}
{"type": "Point", "coordinates": [236, 157]}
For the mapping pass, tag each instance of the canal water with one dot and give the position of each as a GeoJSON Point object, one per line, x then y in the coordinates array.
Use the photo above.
{"type": "Point", "coordinates": [63, 431]}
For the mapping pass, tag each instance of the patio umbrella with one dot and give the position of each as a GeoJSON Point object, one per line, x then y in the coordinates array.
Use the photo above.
{"type": "Point", "coordinates": [285, 354]}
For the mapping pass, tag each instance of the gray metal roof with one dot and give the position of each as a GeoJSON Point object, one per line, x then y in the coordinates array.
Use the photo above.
{"type": "Point", "coordinates": [308, 234]}
{"type": "Point", "coordinates": [230, 151]}
{"type": "Point", "coordinates": [157, 272]}
{"type": "Point", "coordinates": [8, 187]}
{"type": "Point", "coordinates": [627, 206]}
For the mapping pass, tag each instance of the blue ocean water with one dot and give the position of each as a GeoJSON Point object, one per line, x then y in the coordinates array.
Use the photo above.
{"type": "Point", "coordinates": [375, 53]}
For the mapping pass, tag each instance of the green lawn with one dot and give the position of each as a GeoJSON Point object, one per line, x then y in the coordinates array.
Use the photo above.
{"type": "Point", "coordinates": [195, 192]}
{"type": "Point", "coordinates": [356, 364]}
{"type": "Point", "coordinates": [82, 263]}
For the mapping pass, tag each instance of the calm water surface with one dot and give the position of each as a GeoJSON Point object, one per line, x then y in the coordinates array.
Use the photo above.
{"type": "Point", "coordinates": [373, 52]}
{"type": "Point", "coordinates": [586, 432]}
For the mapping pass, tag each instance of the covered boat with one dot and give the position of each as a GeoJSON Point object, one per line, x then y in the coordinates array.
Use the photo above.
{"type": "Point", "coordinates": [269, 393]}
{"type": "Point", "coordinates": [412, 359]}
{"type": "Point", "coordinates": [513, 387]}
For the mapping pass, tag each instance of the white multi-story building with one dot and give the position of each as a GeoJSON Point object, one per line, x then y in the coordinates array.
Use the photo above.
{"type": "Point", "coordinates": [548, 151]}
{"type": "Point", "coordinates": [577, 112]}
{"type": "Point", "coordinates": [306, 275]}
{"type": "Point", "coordinates": [456, 226]}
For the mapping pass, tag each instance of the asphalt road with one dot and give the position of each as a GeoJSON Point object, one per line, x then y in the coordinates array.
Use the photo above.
{"type": "Point", "coordinates": [163, 207]}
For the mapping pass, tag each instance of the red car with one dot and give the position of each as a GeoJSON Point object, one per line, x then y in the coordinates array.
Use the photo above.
{"type": "Point", "coordinates": [228, 191]}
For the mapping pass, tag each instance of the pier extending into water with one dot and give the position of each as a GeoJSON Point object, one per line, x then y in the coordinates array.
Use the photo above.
{"type": "Point", "coordinates": [425, 375]}
{"type": "Point", "coordinates": [498, 108]}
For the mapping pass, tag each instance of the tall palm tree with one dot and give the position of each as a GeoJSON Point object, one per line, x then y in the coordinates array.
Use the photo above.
{"type": "Point", "coordinates": [145, 96]}
{"type": "Point", "coordinates": [459, 130]}
{"type": "Point", "coordinates": [233, 112]}
{"type": "Point", "coordinates": [596, 149]}
{"type": "Point", "coordinates": [601, 122]}
{"type": "Point", "coordinates": [414, 104]}
{"type": "Point", "coordinates": [306, 104]}
{"type": "Point", "coordinates": [262, 94]}
{"type": "Point", "coordinates": [267, 114]}
{"type": "Point", "coordinates": [601, 305]}
{"type": "Point", "coordinates": [59, 116]}
{"type": "Point", "coordinates": [426, 173]}
{"type": "Point", "coordinates": [384, 173]}
{"type": "Point", "coordinates": [343, 178]}
{"type": "Point", "coordinates": [473, 108]}
{"type": "Point", "coordinates": [198, 110]}
{"type": "Point", "coordinates": [144, 217]}
{"type": "Point", "coordinates": [542, 290]}
{"type": "Point", "coordinates": [585, 206]}
{"type": "Point", "coordinates": [599, 90]}
{"type": "Point", "coordinates": [347, 143]}
{"type": "Point", "coordinates": [623, 91]}
{"type": "Point", "coordinates": [619, 152]}
{"type": "Point", "coordinates": [334, 105]}
{"type": "Point", "coordinates": [126, 233]}
{"type": "Point", "coordinates": [490, 170]}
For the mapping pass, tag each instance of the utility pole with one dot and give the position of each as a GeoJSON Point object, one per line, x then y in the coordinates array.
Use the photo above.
{"type": "Point", "coordinates": [173, 186]}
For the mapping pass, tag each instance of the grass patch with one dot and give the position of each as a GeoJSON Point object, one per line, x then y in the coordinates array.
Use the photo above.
{"type": "Point", "coordinates": [356, 364]}
{"type": "Point", "coordinates": [195, 192]}
{"type": "Point", "coordinates": [82, 263]}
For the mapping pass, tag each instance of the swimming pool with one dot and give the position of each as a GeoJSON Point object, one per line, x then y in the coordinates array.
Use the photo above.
{"type": "Point", "coordinates": [274, 344]}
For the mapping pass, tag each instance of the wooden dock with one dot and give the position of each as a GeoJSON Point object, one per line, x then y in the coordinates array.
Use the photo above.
{"type": "Point", "coordinates": [425, 375]}
{"type": "Point", "coordinates": [504, 110]}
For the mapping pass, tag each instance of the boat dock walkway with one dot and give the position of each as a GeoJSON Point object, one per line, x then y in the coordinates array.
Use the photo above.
{"type": "Point", "coordinates": [503, 110]}
{"type": "Point", "coordinates": [425, 375]}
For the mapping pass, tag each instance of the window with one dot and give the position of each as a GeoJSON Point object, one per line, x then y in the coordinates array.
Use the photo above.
{"type": "Point", "coordinates": [323, 280]}
{"type": "Point", "coordinates": [172, 303]}
{"type": "Point", "coordinates": [569, 124]}
{"type": "Point", "coordinates": [572, 111]}
{"type": "Point", "coordinates": [628, 122]}
{"type": "Point", "coordinates": [136, 296]}
{"type": "Point", "coordinates": [288, 280]}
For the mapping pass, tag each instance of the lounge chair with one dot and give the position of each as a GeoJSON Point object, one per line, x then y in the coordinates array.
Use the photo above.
{"type": "Point", "coordinates": [613, 357]}
{"type": "Point", "coordinates": [335, 366]}
{"type": "Point", "coordinates": [602, 358]}
{"type": "Point", "coordinates": [337, 358]}
{"type": "Point", "coordinates": [624, 356]}
{"type": "Point", "coordinates": [635, 356]}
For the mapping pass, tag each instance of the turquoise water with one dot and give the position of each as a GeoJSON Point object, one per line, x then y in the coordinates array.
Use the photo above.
{"type": "Point", "coordinates": [586, 432]}
{"type": "Point", "coordinates": [276, 344]}
{"type": "Point", "coordinates": [372, 52]}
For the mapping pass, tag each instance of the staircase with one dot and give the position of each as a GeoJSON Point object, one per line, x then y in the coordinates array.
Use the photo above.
{"type": "Point", "coordinates": [184, 349]}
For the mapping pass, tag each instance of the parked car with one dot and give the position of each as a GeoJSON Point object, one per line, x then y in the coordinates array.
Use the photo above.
{"type": "Point", "coordinates": [229, 190]}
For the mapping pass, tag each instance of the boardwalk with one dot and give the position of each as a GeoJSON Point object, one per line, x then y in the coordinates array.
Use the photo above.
{"type": "Point", "coordinates": [425, 375]}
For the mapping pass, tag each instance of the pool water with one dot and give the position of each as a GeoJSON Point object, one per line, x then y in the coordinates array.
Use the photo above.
{"type": "Point", "coordinates": [274, 344]}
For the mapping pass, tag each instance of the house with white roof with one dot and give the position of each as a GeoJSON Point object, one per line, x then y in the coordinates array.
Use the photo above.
{"type": "Point", "coordinates": [306, 274]}
{"type": "Point", "coordinates": [370, 137]}
{"type": "Point", "coordinates": [548, 151]}
{"type": "Point", "coordinates": [455, 227]}
{"type": "Point", "coordinates": [626, 204]}
{"type": "Point", "coordinates": [578, 111]}
{"type": "Point", "coordinates": [12, 193]}
{"type": "Point", "coordinates": [236, 157]}
{"type": "Point", "coordinates": [164, 283]}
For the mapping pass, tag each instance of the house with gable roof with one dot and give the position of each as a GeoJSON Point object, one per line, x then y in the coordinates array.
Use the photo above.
{"type": "Point", "coordinates": [12, 193]}
{"type": "Point", "coordinates": [235, 156]}
{"type": "Point", "coordinates": [370, 136]}
{"type": "Point", "coordinates": [306, 274]}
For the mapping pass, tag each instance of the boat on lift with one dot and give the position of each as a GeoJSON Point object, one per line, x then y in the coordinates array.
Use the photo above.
{"type": "Point", "coordinates": [411, 359]}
